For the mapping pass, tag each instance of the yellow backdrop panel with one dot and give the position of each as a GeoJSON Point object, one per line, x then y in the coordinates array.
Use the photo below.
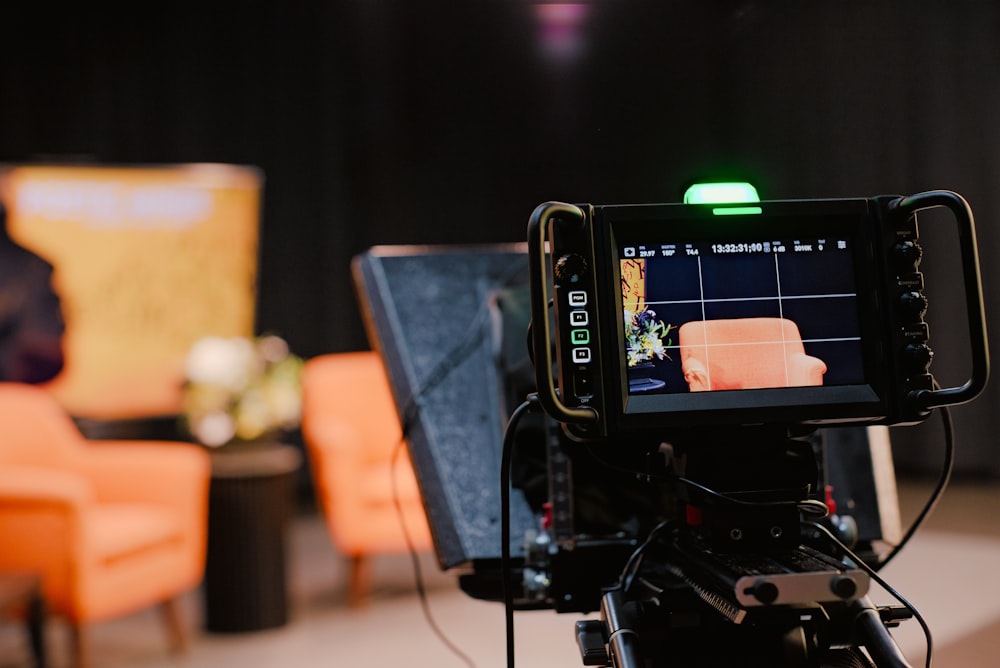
{"type": "Point", "coordinates": [147, 260]}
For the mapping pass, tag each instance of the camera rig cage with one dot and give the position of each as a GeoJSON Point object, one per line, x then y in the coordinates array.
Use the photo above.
{"type": "Point", "coordinates": [726, 331]}
{"type": "Point", "coordinates": [626, 279]}
{"type": "Point", "coordinates": [857, 303]}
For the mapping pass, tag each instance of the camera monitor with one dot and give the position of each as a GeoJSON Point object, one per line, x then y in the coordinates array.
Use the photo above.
{"type": "Point", "coordinates": [689, 315]}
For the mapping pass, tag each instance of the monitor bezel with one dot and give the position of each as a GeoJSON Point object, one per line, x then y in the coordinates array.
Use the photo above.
{"type": "Point", "coordinates": [853, 218]}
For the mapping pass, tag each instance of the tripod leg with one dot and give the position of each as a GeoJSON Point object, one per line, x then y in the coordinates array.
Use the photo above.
{"type": "Point", "coordinates": [621, 619]}
{"type": "Point", "coordinates": [875, 637]}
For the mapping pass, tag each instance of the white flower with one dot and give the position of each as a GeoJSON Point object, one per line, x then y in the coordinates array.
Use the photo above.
{"type": "Point", "coordinates": [241, 389]}
{"type": "Point", "coordinates": [215, 429]}
{"type": "Point", "coordinates": [226, 362]}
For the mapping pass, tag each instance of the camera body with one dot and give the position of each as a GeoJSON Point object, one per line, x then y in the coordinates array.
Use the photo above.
{"type": "Point", "coordinates": [694, 316]}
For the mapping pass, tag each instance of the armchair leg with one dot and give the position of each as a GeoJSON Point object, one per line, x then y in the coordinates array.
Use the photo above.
{"type": "Point", "coordinates": [359, 577]}
{"type": "Point", "coordinates": [36, 629]}
{"type": "Point", "coordinates": [80, 645]}
{"type": "Point", "coordinates": [177, 635]}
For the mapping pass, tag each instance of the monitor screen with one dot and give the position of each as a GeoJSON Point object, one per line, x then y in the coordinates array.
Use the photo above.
{"type": "Point", "coordinates": [735, 313]}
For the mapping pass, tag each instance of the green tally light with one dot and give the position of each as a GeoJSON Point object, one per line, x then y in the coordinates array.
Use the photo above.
{"type": "Point", "coordinates": [724, 193]}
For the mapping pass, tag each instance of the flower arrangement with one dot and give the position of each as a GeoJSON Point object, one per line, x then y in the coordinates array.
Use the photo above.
{"type": "Point", "coordinates": [239, 389]}
{"type": "Point", "coordinates": [645, 336]}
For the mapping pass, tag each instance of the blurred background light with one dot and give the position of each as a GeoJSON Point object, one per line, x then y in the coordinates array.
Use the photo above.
{"type": "Point", "coordinates": [562, 30]}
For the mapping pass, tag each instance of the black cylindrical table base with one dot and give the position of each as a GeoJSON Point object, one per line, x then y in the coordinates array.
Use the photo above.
{"type": "Point", "coordinates": [251, 499]}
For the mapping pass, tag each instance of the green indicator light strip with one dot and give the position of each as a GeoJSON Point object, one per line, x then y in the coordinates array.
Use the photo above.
{"type": "Point", "coordinates": [737, 210]}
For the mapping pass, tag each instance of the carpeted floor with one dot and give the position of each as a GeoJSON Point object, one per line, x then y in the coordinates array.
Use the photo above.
{"type": "Point", "coordinates": [948, 572]}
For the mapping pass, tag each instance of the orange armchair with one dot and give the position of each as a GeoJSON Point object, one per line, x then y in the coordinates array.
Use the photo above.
{"type": "Point", "coordinates": [351, 430]}
{"type": "Point", "coordinates": [111, 527]}
{"type": "Point", "coordinates": [746, 353]}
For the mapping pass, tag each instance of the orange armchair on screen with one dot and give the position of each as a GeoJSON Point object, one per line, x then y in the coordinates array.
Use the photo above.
{"type": "Point", "coordinates": [111, 527]}
{"type": "Point", "coordinates": [351, 430]}
{"type": "Point", "coordinates": [746, 353]}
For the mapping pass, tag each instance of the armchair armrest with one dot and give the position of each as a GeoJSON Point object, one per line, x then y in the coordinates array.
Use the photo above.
{"type": "Point", "coordinates": [36, 486]}
{"type": "Point", "coordinates": [147, 471]}
{"type": "Point", "coordinates": [42, 513]}
{"type": "Point", "coordinates": [695, 374]}
{"type": "Point", "coordinates": [807, 370]}
{"type": "Point", "coordinates": [172, 475]}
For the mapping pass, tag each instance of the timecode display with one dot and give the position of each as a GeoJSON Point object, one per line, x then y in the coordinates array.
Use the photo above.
{"type": "Point", "coordinates": [754, 247]}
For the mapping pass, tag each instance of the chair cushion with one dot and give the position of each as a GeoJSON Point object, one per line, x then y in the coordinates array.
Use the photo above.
{"type": "Point", "coordinates": [119, 530]}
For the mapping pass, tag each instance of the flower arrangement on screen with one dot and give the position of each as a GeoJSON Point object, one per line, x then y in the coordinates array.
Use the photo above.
{"type": "Point", "coordinates": [239, 389]}
{"type": "Point", "coordinates": [645, 336]}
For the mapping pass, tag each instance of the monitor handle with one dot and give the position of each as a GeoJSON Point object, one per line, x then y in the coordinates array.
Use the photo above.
{"type": "Point", "coordinates": [909, 206]}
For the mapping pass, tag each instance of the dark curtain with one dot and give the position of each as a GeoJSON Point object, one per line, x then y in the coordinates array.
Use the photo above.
{"type": "Point", "coordinates": [379, 122]}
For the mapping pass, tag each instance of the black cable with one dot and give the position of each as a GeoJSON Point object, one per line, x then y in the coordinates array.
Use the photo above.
{"type": "Point", "coordinates": [860, 563]}
{"type": "Point", "coordinates": [505, 464]}
{"type": "Point", "coordinates": [418, 574]}
{"type": "Point", "coordinates": [634, 561]}
{"type": "Point", "coordinates": [942, 483]}
{"type": "Point", "coordinates": [807, 506]}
